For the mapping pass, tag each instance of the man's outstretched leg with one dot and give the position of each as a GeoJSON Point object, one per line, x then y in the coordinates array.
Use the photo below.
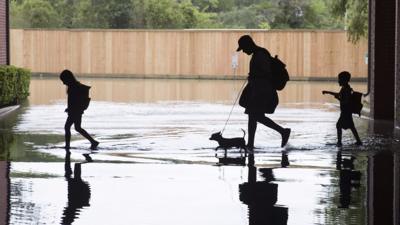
{"type": "Point", "coordinates": [285, 132]}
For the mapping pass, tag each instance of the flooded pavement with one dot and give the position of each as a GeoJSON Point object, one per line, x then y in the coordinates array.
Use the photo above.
{"type": "Point", "coordinates": [156, 164]}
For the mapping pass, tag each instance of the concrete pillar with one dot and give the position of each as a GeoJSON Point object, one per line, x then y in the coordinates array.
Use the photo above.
{"type": "Point", "coordinates": [381, 189]}
{"type": "Point", "coordinates": [397, 76]}
{"type": "Point", "coordinates": [370, 190]}
{"type": "Point", "coordinates": [396, 189]}
{"type": "Point", "coordinates": [397, 108]}
{"type": "Point", "coordinates": [382, 36]}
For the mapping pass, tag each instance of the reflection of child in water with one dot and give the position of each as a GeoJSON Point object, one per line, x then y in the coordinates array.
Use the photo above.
{"type": "Point", "coordinates": [78, 192]}
{"type": "Point", "coordinates": [344, 96]}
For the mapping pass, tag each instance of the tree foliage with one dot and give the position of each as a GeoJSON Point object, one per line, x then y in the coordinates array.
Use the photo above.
{"type": "Point", "coordinates": [36, 14]}
{"type": "Point", "coordinates": [355, 16]}
{"type": "Point", "coordinates": [173, 14]}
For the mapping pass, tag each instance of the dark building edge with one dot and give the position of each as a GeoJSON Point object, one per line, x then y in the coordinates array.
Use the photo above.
{"type": "Point", "coordinates": [8, 218]}
{"type": "Point", "coordinates": [7, 32]}
{"type": "Point", "coordinates": [4, 33]}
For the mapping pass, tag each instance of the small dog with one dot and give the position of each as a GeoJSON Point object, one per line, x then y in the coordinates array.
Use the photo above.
{"type": "Point", "coordinates": [226, 143]}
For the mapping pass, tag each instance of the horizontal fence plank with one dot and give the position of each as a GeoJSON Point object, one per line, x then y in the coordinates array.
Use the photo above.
{"type": "Point", "coordinates": [175, 53]}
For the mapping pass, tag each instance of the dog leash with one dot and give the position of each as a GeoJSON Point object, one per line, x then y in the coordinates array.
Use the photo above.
{"type": "Point", "coordinates": [233, 106]}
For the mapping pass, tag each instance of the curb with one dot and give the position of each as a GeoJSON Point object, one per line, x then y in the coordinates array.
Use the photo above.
{"type": "Point", "coordinates": [6, 110]}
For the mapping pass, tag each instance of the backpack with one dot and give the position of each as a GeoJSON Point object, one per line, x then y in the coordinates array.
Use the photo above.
{"type": "Point", "coordinates": [355, 102]}
{"type": "Point", "coordinates": [280, 75]}
{"type": "Point", "coordinates": [84, 99]}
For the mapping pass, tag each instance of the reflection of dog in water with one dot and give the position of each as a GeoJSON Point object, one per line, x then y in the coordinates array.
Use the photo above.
{"type": "Point", "coordinates": [226, 143]}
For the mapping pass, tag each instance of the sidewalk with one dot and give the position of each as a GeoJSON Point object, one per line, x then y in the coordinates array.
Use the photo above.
{"type": "Point", "coordinates": [4, 111]}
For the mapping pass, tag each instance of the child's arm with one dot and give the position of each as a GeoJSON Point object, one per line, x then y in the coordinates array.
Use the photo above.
{"type": "Point", "coordinates": [336, 95]}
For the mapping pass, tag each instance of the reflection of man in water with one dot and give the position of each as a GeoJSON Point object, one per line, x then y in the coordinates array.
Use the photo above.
{"type": "Point", "coordinates": [78, 192]}
{"type": "Point", "coordinates": [259, 97]}
{"type": "Point", "coordinates": [261, 196]}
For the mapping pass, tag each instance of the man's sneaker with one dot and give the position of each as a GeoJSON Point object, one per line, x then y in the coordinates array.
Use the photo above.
{"type": "Point", "coordinates": [94, 145]}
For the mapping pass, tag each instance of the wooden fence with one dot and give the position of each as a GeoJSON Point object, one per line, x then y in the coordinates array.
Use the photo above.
{"type": "Point", "coordinates": [182, 53]}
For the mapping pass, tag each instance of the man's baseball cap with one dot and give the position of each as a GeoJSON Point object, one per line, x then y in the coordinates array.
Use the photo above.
{"type": "Point", "coordinates": [245, 40]}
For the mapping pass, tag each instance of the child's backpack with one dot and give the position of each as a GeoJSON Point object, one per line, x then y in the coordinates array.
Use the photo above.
{"type": "Point", "coordinates": [355, 102]}
{"type": "Point", "coordinates": [280, 75]}
{"type": "Point", "coordinates": [84, 100]}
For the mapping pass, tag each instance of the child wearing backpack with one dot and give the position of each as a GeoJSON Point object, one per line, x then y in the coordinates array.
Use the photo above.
{"type": "Point", "coordinates": [78, 102]}
{"type": "Point", "coordinates": [346, 107]}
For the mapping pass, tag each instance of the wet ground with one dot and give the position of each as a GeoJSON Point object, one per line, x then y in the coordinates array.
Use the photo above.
{"type": "Point", "coordinates": [156, 165]}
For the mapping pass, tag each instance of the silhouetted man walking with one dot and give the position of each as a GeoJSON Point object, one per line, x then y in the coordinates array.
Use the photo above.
{"type": "Point", "coordinates": [259, 96]}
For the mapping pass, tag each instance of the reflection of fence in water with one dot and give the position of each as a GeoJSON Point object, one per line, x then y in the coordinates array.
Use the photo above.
{"type": "Point", "coordinates": [189, 53]}
{"type": "Point", "coordinates": [43, 91]}
{"type": "Point", "coordinates": [311, 92]}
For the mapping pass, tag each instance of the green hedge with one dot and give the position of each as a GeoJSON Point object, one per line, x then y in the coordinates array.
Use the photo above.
{"type": "Point", "coordinates": [6, 140]}
{"type": "Point", "coordinates": [14, 85]}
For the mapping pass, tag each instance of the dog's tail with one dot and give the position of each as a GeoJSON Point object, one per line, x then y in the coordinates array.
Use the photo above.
{"type": "Point", "coordinates": [244, 132]}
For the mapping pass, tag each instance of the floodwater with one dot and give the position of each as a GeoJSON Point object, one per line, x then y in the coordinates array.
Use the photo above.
{"type": "Point", "coordinates": [155, 164]}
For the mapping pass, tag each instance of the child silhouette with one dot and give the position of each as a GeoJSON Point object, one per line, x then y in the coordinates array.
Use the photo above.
{"type": "Point", "coordinates": [77, 101]}
{"type": "Point", "coordinates": [344, 96]}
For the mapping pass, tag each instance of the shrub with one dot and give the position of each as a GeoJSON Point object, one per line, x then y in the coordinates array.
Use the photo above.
{"type": "Point", "coordinates": [6, 140]}
{"type": "Point", "coordinates": [14, 85]}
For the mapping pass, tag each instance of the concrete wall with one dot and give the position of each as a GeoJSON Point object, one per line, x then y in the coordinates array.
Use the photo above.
{"type": "Point", "coordinates": [4, 55]}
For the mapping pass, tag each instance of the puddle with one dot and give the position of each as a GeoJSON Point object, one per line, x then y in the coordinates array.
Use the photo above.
{"type": "Point", "coordinates": [156, 164]}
